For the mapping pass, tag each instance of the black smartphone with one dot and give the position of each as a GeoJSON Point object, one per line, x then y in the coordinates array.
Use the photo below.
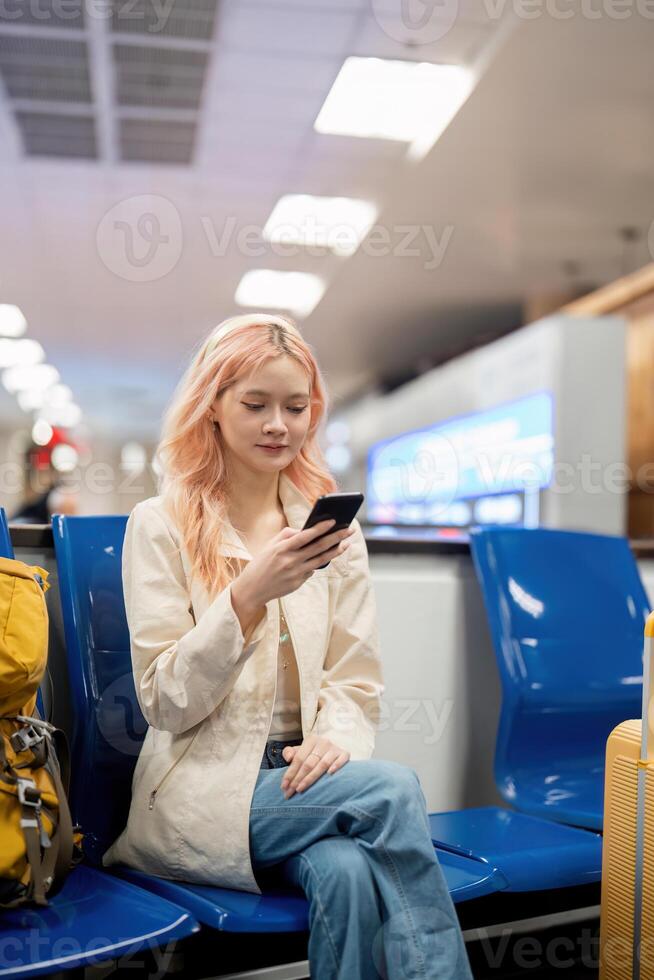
{"type": "Point", "coordinates": [341, 507]}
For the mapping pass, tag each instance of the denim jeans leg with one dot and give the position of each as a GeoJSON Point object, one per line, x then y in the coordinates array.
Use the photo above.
{"type": "Point", "coordinates": [381, 806]}
{"type": "Point", "coordinates": [345, 909]}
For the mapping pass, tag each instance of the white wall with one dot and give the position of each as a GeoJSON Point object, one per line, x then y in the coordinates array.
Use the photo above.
{"type": "Point", "coordinates": [580, 361]}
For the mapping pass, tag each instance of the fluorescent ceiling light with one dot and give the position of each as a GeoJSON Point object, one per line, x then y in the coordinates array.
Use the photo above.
{"type": "Point", "coordinates": [23, 376]}
{"type": "Point", "coordinates": [23, 351]}
{"type": "Point", "coordinates": [298, 292]}
{"type": "Point", "coordinates": [64, 458]}
{"type": "Point", "coordinates": [337, 223]}
{"type": "Point", "coordinates": [133, 458]}
{"type": "Point", "coordinates": [66, 416]}
{"type": "Point", "coordinates": [12, 321]}
{"type": "Point", "coordinates": [42, 432]}
{"type": "Point", "coordinates": [395, 100]}
{"type": "Point", "coordinates": [31, 399]}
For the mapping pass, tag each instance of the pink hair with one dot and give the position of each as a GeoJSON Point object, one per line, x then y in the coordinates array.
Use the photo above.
{"type": "Point", "coordinates": [193, 469]}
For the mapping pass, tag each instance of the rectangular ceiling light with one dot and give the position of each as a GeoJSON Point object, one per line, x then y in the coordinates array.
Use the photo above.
{"type": "Point", "coordinates": [336, 223]}
{"type": "Point", "coordinates": [394, 100]}
{"type": "Point", "coordinates": [297, 292]}
{"type": "Point", "coordinates": [12, 321]}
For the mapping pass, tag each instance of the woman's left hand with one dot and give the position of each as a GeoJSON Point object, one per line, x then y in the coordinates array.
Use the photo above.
{"type": "Point", "coordinates": [315, 756]}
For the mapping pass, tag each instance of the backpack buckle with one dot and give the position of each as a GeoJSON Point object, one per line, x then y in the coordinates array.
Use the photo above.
{"type": "Point", "coordinates": [25, 738]}
{"type": "Point", "coordinates": [28, 793]}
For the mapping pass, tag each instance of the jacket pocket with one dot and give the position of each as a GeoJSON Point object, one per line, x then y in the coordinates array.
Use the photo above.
{"type": "Point", "coordinates": [152, 799]}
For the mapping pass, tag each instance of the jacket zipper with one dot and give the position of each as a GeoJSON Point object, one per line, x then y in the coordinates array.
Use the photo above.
{"type": "Point", "coordinates": [154, 792]}
{"type": "Point", "coordinates": [297, 661]}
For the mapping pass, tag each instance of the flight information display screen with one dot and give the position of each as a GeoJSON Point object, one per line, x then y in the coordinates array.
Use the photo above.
{"type": "Point", "coordinates": [474, 468]}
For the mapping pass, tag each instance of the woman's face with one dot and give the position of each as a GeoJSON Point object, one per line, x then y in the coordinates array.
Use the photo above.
{"type": "Point", "coordinates": [270, 406]}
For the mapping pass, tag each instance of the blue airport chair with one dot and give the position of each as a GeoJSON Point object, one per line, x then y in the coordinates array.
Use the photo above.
{"type": "Point", "coordinates": [566, 613]}
{"type": "Point", "coordinates": [6, 549]}
{"type": "Point", "coordinates": [526, 853]}
{"type": "Point", "coordinates": [109, 730]}
{"type": "Point", "coordinates": [92, 919]}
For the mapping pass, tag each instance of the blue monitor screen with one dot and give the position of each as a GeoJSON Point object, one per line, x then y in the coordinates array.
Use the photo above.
{"type": "Point", "coordinates": [426, 476]}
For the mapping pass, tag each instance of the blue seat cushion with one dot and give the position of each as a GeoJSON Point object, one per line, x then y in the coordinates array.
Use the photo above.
{"type": "Point", "coordinates": [531, 854]}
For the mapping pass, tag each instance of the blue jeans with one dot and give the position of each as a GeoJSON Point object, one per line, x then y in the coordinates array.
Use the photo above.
{"type": "Point", "coordinates": [357, 842]}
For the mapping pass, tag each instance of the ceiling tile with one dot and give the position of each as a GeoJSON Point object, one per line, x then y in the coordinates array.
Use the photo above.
{"type": "Point", "coordinates": [45, 13]}
{"type": "Point", "coordinates": [166, 77]}
{"type": "Point", "coordinates": [45, 69]}
{"type": "Point", "coordinates": [57, 135]}
{"type": "Point", "coordinates": [286, 30]}
{"type": "Point", "coordinates": [458, 45]}
{"type": "Point", "coordinates": [157, 141]}
{"type": "Point", "coordinates": [189, 19]}
{"type": "Point", "coordinates": [244, 72]}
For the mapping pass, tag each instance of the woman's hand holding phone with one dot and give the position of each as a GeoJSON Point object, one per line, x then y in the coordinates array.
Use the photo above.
{"type": "Point", "coordinates": [287, 562]}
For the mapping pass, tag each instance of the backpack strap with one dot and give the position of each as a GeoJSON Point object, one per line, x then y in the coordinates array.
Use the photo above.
{"type": "Point", "coordinates": [47, 873]}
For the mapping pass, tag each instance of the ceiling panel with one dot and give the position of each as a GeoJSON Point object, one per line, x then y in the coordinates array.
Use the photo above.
{"type": "Point", "coordinates": [166, 77]}
{"type": "Point", "coordinates": [45, 69]}
{"type": "Point", "coordinates": [458, 44]}
{"type": "Point", "coordinates": [292, 31]}
{"type": "Point", "coordinates": [57, 135]}
{"type": "Point", "coordinates": [286, 109]}
{"type": "Point", "coordinates": [242, 71]}
{"type": "Point", "coordinates": [157, 141]}
{"type": "Point", "coordinates": [46, 13]}
{"type": "Point", "coordinates": [189, 19]}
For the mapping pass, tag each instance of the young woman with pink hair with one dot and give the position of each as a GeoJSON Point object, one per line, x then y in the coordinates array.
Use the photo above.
{"type": "Point", "coordinates": [250, 658]}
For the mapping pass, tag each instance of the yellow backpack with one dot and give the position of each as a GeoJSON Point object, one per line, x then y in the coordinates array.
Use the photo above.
{"type": "Point", "coordinates": [37, 844]}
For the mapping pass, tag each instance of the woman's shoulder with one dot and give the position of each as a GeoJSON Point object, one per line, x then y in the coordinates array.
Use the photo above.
{"type": "Point", "coordinates": [152, 514]}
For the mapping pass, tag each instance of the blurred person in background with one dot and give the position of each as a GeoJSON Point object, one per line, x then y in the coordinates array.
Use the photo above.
{"type": "Point", "coordinates": [45, 491]}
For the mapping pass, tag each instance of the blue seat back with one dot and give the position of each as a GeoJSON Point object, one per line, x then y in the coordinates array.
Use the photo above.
{"type": "Point", "coordinates": [6, 549]}
{"type": "Point", "coordinates": [566, 612]}
{"type": "Point", "coordinates": [109, 727]}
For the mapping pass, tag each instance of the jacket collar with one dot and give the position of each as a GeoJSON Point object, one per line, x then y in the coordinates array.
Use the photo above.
{"type": "Point", "coordinates": [296, 509]}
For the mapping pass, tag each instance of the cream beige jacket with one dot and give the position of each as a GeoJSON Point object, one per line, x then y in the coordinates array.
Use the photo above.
{"type": "Point", "coordinates": [207, 692]}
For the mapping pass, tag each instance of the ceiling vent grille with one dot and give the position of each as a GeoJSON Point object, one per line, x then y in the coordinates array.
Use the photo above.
{"type": "Point", "coordinates": [155, 141]}
{"type": "Point", "coordinates": [45, 69]}
{"type": "Point", "coordinates": [57, 135]}
{"type": "Point", "coordinates": [188, 19]}
{"type": "Point", "coordinates": [162, 77]}
{"type": "Point", "coordinates": [45, 13]}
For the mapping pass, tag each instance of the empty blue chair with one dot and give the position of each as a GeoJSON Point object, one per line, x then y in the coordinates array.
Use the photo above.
{"type": "Point", "coordinates": [566, 613]}
{"type": "Point", "coordinates": [94, 918]}
{"type": "Point", "coordinates": [527, 854]}
{"type": "Point", "coordinates": [109, 730]}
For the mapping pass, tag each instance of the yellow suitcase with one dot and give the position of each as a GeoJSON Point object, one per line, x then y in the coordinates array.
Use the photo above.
{"type": "Point", "coordinates": [627, 911]}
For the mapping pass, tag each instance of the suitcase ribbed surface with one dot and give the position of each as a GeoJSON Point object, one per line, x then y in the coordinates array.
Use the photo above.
{"type": "Point", "coordinates": [619, 859]}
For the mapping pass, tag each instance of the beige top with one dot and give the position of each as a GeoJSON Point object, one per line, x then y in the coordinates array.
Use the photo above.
{"type": "Point", "coordinates": [207, 691]}
{"type": "Point", "coordinates": [286, 720]}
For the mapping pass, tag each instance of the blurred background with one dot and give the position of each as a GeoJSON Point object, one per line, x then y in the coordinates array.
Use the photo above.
{"type": "Point", "coordinates": [454, 200]}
